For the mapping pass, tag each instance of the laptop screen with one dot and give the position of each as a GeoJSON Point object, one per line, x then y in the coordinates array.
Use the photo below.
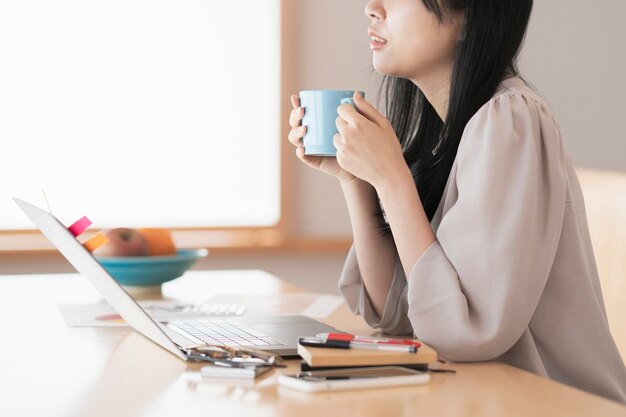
{"type": "Point", "coordinates": [90, 268]}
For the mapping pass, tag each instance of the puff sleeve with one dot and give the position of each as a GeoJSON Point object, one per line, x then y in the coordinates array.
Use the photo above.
{"type": "Point", "coordinates": [394, 319]}
{"type": "Point", "coordinates": [472, 293]}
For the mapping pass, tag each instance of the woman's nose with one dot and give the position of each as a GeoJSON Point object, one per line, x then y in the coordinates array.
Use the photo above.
{"type": "Point", "coordinates": [374, 10]}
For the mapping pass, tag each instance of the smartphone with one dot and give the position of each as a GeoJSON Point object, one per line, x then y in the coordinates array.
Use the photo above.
{"type": "Point", "coordinates": [354, 378]}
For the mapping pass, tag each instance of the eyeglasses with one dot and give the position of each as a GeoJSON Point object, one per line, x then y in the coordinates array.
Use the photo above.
{"type": "Point", "coordinates": [234, 357]}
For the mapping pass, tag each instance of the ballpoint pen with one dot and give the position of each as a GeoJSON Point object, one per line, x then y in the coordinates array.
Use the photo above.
{"type": "Point", "coordinates": [347, 344]}
{"type": "Point", "coordinates": [368, 339]}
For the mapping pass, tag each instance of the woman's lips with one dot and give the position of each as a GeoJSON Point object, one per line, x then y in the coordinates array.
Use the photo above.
{"type": "Point", "coordinates": [377, 42]}
{"type": "Point", "coordinates": [377, 45]}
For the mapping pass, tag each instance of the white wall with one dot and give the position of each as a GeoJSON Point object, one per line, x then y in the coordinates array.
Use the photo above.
{"type": "Point", "coordinates": [575, 54]}
{"type": "Point", "coordinates": [333, 53]}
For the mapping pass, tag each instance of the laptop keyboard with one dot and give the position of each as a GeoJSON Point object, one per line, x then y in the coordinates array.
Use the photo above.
{"type": "Point", "coordinates": [214, 309]}
{"type": "Point", "coordinates": [201, 310]}
{"type": "Point", "coordinates": [223, 332]}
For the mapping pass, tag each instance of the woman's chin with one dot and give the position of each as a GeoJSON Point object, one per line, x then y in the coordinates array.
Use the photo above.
{"type": "Point", "coordinates": [383, 67]}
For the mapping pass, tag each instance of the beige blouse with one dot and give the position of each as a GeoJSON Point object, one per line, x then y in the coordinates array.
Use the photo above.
{"type": "Point", "coordinates": [512, 275]}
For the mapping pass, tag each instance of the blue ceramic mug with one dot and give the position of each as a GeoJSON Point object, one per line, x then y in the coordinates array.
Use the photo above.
{"type": "Point", "coordinates": [320, 113]}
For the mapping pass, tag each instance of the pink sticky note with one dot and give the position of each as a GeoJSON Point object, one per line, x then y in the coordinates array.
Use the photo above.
{"type": "Point", "coordinates": [79, 226]}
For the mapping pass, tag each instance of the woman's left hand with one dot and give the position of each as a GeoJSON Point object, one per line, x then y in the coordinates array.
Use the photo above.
{"type": "Point", "coordinates": [367, 145]}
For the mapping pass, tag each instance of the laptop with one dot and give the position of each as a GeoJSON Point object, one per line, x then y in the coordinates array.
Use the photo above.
{"type": "Point", "coordinates": [275, 334]}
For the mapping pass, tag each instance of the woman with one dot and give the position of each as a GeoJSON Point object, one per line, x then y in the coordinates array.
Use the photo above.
{"type": "Point", "coordinates": [482, 249]}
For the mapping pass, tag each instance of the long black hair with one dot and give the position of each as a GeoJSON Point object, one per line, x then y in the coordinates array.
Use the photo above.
{"type": "Point", "coordinates": [491, 37]}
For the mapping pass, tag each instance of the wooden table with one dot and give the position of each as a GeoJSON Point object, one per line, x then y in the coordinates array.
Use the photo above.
{"type": "Point", "coordinates": [49, 369]}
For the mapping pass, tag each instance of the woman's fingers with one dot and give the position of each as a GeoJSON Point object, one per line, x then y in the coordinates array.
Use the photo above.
{"type": "Point", "coordinates": [296, 134]}
{"type": "Point", "coordinates": [295, 101]}
{"type": "Point", "coordinates": [347, 113]}
{"type": "Point", "coordinates": [341, 124]}
{"type": "Point", "coordinates": [337, 140]}
{"type": "Point", "coordinates": [312, 161]}
{"type": "Point", "coordinates": [297, 112]}
{"type": "Point", "coordinates": [300, 152]}
{"type": "Point", "coordinates": [305, 158]}
{"type": "Point", "coordinates": [366, 109]}
{"type": "Point", "coordinates": [296, 116]}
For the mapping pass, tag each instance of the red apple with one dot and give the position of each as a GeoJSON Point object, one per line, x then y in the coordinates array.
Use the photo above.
{"type": "Point", "coordinates": [123, 241]}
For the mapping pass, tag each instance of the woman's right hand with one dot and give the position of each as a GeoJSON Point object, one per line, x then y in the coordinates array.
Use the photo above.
{"type": "Point", "coordinates": [326, 164]}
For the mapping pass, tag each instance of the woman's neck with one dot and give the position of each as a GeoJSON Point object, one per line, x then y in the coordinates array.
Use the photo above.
{"type": "Point", "coordinates": [436, 88]}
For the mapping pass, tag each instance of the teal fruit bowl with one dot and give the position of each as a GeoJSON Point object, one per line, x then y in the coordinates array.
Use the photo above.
{"type": "Point", "coordinates": [140, 271]}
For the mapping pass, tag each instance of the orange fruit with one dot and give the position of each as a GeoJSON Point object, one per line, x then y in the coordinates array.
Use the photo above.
{"type": "Point", "coordinates": [160, 241]}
